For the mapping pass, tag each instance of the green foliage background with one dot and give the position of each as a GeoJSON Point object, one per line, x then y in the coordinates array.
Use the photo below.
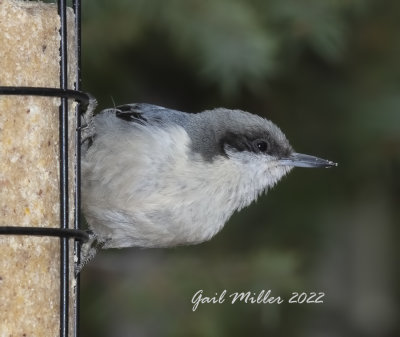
{"type": "Point", "coordinates": [328, 73]}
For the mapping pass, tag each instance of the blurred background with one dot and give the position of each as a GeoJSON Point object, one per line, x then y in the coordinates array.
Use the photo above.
{"type": "Point", "coordinates": [328, 73]}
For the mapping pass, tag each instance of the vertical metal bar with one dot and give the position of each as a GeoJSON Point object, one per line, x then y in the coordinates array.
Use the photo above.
{"type": "Point", "coordinates": [77, 245]}
{"type": "Point", "coordinates": [64, 248]}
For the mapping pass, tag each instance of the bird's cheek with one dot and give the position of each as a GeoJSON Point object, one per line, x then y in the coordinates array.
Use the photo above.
{"type": "Point", "coordinates": [278, 171]}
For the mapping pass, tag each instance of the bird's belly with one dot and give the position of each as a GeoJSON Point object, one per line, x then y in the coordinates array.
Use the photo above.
{"type": "Point", "coordinates": [158, 222]}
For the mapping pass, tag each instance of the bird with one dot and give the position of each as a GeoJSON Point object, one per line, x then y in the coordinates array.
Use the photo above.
{"type": "Point", "coordinates": [157, 177]}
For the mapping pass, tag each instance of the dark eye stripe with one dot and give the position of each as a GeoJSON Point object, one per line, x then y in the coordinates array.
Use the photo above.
{"type": "Point", "coordinates": [263, 144]}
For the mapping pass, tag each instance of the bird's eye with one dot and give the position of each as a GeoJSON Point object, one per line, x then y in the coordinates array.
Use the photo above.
{"type": "Point", "coordinates": [262, 145]}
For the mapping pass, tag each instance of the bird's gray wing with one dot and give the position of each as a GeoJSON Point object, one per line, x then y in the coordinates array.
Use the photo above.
{"type": "Point", "coordinates": [144, 113]}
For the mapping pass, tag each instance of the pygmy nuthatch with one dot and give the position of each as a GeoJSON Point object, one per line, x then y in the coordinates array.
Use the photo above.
{"type": "Point", "coordinates": [155, 177]}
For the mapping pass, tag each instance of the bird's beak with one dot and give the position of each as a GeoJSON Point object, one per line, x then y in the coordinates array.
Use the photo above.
{"type": "Point", "coordinates": [304, 160]}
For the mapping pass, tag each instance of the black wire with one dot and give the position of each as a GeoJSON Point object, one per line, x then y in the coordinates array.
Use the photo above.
{"type": "Point", "coordinates": [78, 96]}
{"type": "Point", "coordinates": [64, 233]}
{"type": "Point", "coordinates": [76, 4]}
{"type": "Point", "coordinates": [64, 212]}
{"type": "Point", "coordinates": [79, 235]}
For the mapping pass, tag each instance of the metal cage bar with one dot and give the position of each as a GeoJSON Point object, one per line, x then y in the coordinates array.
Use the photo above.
{"type": "Point", "coordinates": [76, 4]}
{"type": "Point", "coordinates": [78, 235]}
{"type": "Point", "coordinates": [63, 232]}
{"type": "Point", "coordinates": [63, 152]}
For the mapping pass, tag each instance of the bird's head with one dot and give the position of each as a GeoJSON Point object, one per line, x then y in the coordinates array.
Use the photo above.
{"type": "Point", "coordinates": [253, 143]}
